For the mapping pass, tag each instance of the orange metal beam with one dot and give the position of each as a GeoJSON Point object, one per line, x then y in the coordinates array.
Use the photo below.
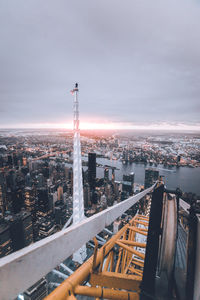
{"type": "Point", "coordinates": [141, 217]}
{"type": "Point", "coordinates": [118, 281]}
{"type": "Point", "coordinates": [139, 254]}
{"type": "Point", "coordinates": [138, 272]}
{"type": "Point", "coordinates": [81, 274]}
{"type": "Point", "coordinates": [107, 279]}
{"type": "Point", "coordinates": [105, 293]}
{"type": "Point", "coordinates": [142, 222]}
{"type": "Point", "coordinates": [138, 263]}
{"type": "Point", "coordinates": [132, 243]}
{"type": "Point", "coordinates": [136, 229]}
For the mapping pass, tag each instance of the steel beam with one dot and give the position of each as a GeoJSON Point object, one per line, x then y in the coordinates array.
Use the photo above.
{"type": "Point", "coordinates": [138, 230]}
{"type": "Point", "coordinates": [102, 293]}
{"type": "Point", "coordinates": [67, 269]}
{"type": "Point", "coordinates": [81, 274]}
{"type": "Point", "coordinates": [154, 230]}
{"type": "Point", "coordinates": [60, 274]}
{"type": "Point", "coordinates": [116, 280]}
{"type": "Point", "coordinates": [192, 254]}
{"type": "Point", "coordinates": [129, 249]}
{"type": "Point", "coordinates": [133, 243]}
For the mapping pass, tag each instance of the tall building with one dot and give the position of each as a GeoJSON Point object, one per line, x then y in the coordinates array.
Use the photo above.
{"type": "Point", "coordinates": [78, 203]}
{"type": "Point", "coordinates": [5, 240]}
{"type": "Point", "coordinates": [40, 181]}
{"type": "Point", "coordinates": [2, 201]}
{"type": "Point", "coordinates": [15, 159]}
{"type": "Point", "coordinates": [43, 202]}
{"type": "Point", "coordinates": [151, 175]}
{"type": "Point", "coordinates": [113, 174]}
{"type": "Point", "coordinates": [60, 193]}
{"type": "Point", "coordinates": [11, 179]}
{"type": "Point", "coordinates": [128, 183]}
{"type": "Point", "coordinates": [92, 170]}
{"type": "Point", "coordinates": [46, 227]}
{"type": "Point", "coordinates": [31, 206]}
{"type": "Point", "coordinates": [30, 201]}
{"type": "Point", "coordinates": [10, 161]}
{"type": "Point", "coordinates": [106, 174]}
{"type": "Point", "coordinates": [87, 198]}
{"type": "Point", "coordinates": [28, 180]}
{"type": "Point", "coordinates": [17, 199]}
{"type": "Point", "coordinates": [21, 230]}
{"type": "Point", "coordinates": [27, 227]}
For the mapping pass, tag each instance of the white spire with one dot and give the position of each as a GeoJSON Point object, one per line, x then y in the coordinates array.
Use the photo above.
{"type": "Point", "coordinates": [78, 203]}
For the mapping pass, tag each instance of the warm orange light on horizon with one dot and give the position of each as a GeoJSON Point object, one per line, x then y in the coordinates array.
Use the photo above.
{"type": "Point", "coordinates": [110, 126]}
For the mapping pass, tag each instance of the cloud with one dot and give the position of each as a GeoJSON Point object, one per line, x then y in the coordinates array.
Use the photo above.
{"type": "Point", "coordinates": [136, 61]}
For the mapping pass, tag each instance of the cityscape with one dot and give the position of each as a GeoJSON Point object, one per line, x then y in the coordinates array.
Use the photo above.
{"type": "Point", "coordinates": [99, 150]}
{"type": "Point", "coordinates": [36, 187]}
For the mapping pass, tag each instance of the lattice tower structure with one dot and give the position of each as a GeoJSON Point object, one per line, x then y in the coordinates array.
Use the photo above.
{"type": "Point", "coordinates": [78, 203]}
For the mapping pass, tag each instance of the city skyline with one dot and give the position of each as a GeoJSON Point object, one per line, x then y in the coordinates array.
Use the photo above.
{"type": "Point", "coordinates": [137, 65]}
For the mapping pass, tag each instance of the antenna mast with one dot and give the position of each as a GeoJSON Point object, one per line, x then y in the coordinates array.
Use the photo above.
{"type": "Point", "coordinates": [78, 203]}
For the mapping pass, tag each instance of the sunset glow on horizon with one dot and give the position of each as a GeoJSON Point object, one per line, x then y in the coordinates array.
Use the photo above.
{"type": "Point", "coordinates": [108, 126]}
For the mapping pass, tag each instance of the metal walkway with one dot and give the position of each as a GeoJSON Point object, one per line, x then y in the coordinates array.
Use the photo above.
{"type": "Point", "coordinates": [181, 248]}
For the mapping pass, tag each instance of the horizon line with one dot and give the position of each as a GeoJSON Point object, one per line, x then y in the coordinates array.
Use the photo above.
{"type": "Point", "coordinates": [136, 128]}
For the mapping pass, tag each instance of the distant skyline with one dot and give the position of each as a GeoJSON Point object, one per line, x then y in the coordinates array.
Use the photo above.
{"type": "Point", "coordinates": [137, 63]}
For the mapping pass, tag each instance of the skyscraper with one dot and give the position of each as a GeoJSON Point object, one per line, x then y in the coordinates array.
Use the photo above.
{"type": "Point", "coordinates": [92, 170]}
{"type": "Point", "coordinates": [3, 204]}
{"type": "Point", "coordinates": [21, 230]}
{"type": "Point", "coordinates": [2, 201]}
{"type": "Point", "coordinates": [78, 203]}
{"type": "Point", "coordinates": [43, 202]}
{"type": "Point", "coordinates": [151, 175]}
{"type": "Point", "coordinates": [106, 174]}
{"type": "Point", "coordinates": [31, 206]}
{"type": "Point", "coordinates": [17, 199]}
{"type": "Point", "coordinates": [128, 183]}
{"type": "Point", "coordinates": [5, 240]}
{"type": "Point", "coordinates": [30, 201]}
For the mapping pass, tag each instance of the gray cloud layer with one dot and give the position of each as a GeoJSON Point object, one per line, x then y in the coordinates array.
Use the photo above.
{"type": "Point", "coordinates": [136, 60]}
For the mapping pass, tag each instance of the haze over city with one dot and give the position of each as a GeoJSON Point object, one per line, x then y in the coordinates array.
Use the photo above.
{"type": "Point", "coordinates": [99, 149]}
{"type": "Point", "coordinates": [137, 64]}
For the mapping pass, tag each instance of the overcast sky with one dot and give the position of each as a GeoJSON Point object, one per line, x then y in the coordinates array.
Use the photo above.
{"type": "Point", "coordinates": [136, 61]}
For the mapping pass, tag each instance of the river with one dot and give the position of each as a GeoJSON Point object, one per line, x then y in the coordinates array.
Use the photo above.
{"type": "Point", "coordinates": [186, 178]}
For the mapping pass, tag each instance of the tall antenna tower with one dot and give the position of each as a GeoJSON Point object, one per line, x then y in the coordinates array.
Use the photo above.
{"type": "Point", "coordinates": [78, 203]}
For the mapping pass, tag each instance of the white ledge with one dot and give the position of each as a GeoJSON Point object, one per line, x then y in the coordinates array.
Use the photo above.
{"type": "Point", "coordinates": [20, 270]}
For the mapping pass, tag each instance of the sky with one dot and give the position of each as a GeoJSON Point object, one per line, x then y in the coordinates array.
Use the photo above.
{"type": "Point", "coordinates": [137, 63]}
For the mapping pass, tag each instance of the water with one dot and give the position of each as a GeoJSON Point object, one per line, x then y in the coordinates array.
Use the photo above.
{"type": "Point", "coordinates": [187, 179]}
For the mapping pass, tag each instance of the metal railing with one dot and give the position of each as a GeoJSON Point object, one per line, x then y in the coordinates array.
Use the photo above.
{"type": "Point", "coordinates": [20, 270]}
